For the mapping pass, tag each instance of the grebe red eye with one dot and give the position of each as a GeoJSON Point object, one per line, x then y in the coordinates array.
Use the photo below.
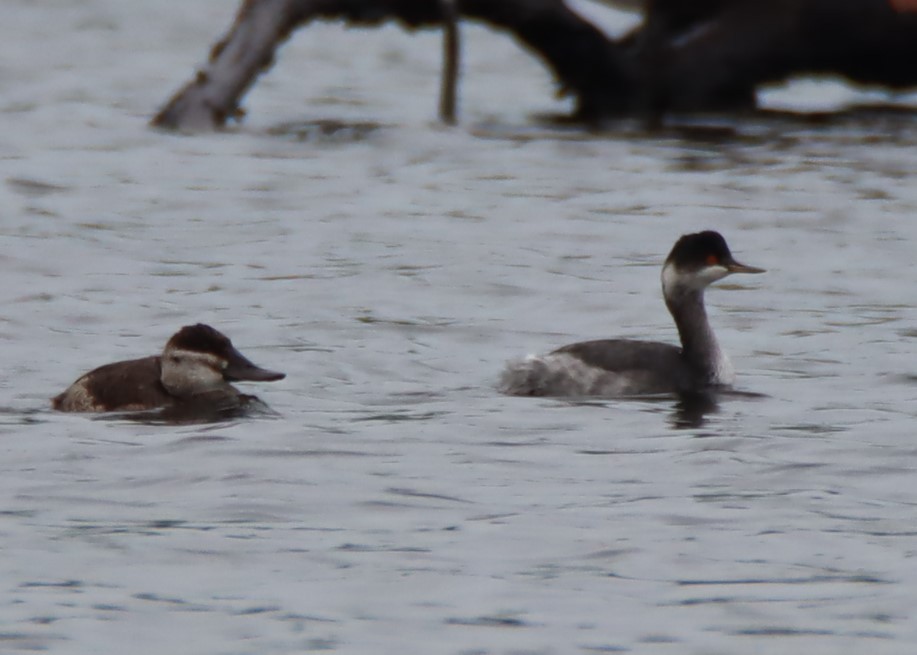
{"type": "Point", "coordinates": [712, 260]}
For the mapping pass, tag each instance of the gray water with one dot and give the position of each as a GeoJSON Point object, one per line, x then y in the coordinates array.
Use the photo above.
{"type": "Point", "coordinates": [398, 504]}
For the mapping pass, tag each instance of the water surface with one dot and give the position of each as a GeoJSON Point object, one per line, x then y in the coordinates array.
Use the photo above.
{"type": "Point", "coordinates": [399, 504]}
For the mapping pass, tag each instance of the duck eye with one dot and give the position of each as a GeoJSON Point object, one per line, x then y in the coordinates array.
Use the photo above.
{"type": "Point", "coordinates": [712, 260]}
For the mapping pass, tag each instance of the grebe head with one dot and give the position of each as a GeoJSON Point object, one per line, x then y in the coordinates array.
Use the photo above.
{"type": "Point", "coordinates": [198, 359]}
{"type": "Point", "coordinates": [697, 261]}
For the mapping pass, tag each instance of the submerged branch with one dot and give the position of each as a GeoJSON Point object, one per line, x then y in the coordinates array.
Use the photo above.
{"type": "Point", "coordinates": [582, 57]}
{"type": "Point", "coordinates": [688, 56]}
{"type": "Point", "coordinates": [212, 97]}
{"type": "Point", "coordinates": [449, 87]}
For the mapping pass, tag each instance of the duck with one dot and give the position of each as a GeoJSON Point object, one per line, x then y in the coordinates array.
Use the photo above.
{"type": "Point", "coordinates": [193, 373]}
{"type": "Point", "coordinates": [610, 368]}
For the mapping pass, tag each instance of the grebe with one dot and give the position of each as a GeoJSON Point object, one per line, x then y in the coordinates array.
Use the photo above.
{"type": "Point", "coordinates": [624, 367]}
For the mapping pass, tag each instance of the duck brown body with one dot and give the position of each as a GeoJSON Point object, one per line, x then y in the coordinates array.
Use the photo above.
{"type": "Point", "coordinates": [124, 386]}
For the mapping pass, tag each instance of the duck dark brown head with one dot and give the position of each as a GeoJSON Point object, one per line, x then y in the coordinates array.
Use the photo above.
{"type": "Point", "coordinates": [198, 356]}
{"type": "Point", "coordinates": [200, 338]}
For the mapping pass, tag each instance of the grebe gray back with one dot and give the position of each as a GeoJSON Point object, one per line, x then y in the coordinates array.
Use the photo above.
{"type": "Point", "coordinates": [624, 367]}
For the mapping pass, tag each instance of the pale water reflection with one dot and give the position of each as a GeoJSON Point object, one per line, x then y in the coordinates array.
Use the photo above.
{"type": "Point", "coordinates": [390, 267]}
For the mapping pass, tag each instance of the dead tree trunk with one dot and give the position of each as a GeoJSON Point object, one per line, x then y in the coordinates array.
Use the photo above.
{"type": "Point", "coordinates": [584, 60]}
{"type": "Point", "coordinates": [448, 93]}
{"type": "Point", "coordinates": [690, 55]}
{"type": "Point", "coordinates": [713, 54]}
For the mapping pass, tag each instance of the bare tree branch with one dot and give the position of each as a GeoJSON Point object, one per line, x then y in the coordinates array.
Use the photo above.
{"type": "Point", "coordinates": [584, 60]}
{"type": "Point", "coordinates": [212, 97]}
{"type": "Point", "coordinates": [448, 90]}
{"type": "Point", "coordinates": [689, 55]}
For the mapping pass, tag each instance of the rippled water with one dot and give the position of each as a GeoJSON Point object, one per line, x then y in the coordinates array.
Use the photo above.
{"type": "Point", "coordinates": [399, 504]}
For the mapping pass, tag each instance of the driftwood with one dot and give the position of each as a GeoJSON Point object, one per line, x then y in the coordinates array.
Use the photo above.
{"type": "Point", "coordinates": [713, 54]}
{"type": "Point", "coordinates": [451, 54]}
{"type": "Point", "coordinates": [546, 26]}
{"type": "Point", "coordinates": [688, 55]}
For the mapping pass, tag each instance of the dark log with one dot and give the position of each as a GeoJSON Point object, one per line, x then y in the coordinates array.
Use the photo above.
{"type": "Point", "coordinates": [448, 94]}
{"type": "Point", "coordinates": [689, 55]}
{"type": "Point", "coordinates": [711, 55]}
{"type": "Point", "coordinates": [212, 97]}
{"type": "Point", "coordinates": [584, 60]}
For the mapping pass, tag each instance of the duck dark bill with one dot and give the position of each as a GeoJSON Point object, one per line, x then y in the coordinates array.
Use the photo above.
{"type": "Point", "coordinates": [240, 369]}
